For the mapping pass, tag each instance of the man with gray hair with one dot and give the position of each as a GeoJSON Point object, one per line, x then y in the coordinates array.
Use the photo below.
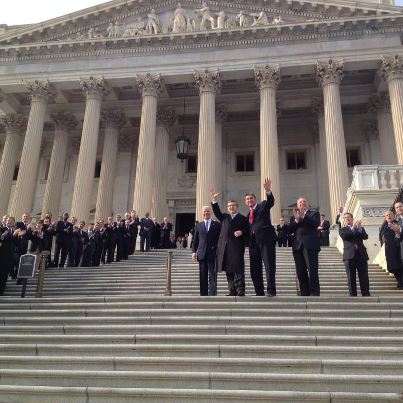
{"type": "Point", "coordinates": [204, 250]}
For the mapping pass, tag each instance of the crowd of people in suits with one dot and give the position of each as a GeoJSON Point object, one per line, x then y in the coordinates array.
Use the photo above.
{"type": "Point", "coordinates": [76, 245]}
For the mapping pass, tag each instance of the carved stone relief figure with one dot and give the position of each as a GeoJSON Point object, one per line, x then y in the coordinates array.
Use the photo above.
{"type": "Point", "coordinates": [277, 20]}
{"type": "Point", "coordinates": [260, 19]}
{"type": "Point", "coordinates": [153, 24]}
{"type": "Point", "coordinates": [242, 20]}
{"type": "Point", "coordinates": [179, 19]}
{"type": "Point", "coordinates": [138, 29]}
{"type": "Point", "coordinates": [205, 16]}
{"type": "Point", "coordinates": [221, 20]}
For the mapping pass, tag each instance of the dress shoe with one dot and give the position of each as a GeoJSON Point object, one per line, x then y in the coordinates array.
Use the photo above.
{"type": "Point", "coordinates": [270, 294]}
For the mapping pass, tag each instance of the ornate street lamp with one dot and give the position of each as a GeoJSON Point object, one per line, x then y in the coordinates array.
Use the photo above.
{"type": "Point", "coordinates": [182, 142]}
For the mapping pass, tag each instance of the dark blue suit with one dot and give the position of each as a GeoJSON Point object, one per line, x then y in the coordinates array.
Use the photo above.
{"type": "Point", "coordinates": [263, 247]}
{"type": "Point", "coordinates": [305, 248]}
{"type": "Point", "coordinates": [205, 247]}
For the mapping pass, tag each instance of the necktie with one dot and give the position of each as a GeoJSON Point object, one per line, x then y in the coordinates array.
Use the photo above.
{"type": "Point", "coordinates": [251, 216]}
{"type": "Point", "coordinates": [206, 225]}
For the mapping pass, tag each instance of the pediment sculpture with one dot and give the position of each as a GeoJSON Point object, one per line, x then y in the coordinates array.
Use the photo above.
{"type": "Point", "coordinates": [182, 20]}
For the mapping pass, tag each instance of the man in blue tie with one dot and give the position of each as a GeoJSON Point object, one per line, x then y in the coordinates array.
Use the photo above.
{"type": "Point", "coordinates": [204, 250]}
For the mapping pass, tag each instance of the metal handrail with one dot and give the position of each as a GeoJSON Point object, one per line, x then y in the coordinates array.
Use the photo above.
{"type": "Point", "coordinates": [41, 274]}
{"type": "Point", "coordinates": [168, 288]}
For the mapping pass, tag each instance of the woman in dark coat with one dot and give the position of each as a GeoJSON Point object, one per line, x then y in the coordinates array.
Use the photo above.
{"type": "Point", "coordinates": [390, 236]}
{"type": "Point", "coordinates": [233, 238]}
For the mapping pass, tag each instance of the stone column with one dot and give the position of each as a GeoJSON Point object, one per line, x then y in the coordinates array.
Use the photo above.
{"type": "Point", "coordinates": [379, 103]}
{"type": "Point", "coordinates": [209, 84]}
{"type": "Point", "coordinates": [329, 76]}
{"type": "Point", "coordinates": [392, 71]}
{"type": "Point", "coordinates": [372, 136]}
{"type": "Point", "coordinates": [94, 89]}
{"type": "Point", "coordinates": [64, 122]}
{"type": "Point", "coordinates": [149, 86]}
{"type": "Point", "coordinates": [324, 202]}
{"type": "Point", "coordinates": [166, 117]}
{"type": "Point", "coordinates": [39, 92]}
{"type": "Point", "coordinates": [15, 124]}
{"type": "Point", "coordinates": [112, 121]}
{"type": "Point", "coordinates": [221, 117]}
{"type": "Point", "coordinates": [267, 79]}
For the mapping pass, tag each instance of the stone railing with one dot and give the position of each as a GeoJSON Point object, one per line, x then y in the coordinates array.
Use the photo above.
{"type": "Point", "coordinates": [377, 177]}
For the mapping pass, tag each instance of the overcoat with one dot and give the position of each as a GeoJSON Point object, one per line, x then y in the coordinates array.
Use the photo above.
{"type": "Point", "coordinates": [231, 249]}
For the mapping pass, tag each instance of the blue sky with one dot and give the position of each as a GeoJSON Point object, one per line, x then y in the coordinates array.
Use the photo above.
{"type": "Point", "coordinates": [29, 12]}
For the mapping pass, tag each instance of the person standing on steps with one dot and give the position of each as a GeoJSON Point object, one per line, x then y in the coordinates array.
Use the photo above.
{"type": "Point", "coordinates": [306, 246]}
{"type": "Point", "coordinates": [231, 244]}
{"type": "Point", "coordinates": [204, 251]}
{"type": "Point", "coordinates": [355, 254]}
{"type": "Point", "coordinates": [262, 241]}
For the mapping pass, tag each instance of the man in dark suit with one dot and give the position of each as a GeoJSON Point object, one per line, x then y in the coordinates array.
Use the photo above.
{"type": "Point", "coordinates": [22, 236]}
{"type": "Point", "coordinates": [355, 255]}
{"type": "Point", "coordinates": [7, 251]}
{"type": "Point", "coordinates": [204, 251]}
{"type": "Point", "coordinates": [324, 230]}
{"type": "Point", "coordinates": [306, 246]}
{"type": "Point", "coordinates": [166, 228]}
{"type": "Point", "coordinates": [262, 241]}
{"type": "Point", "coordinates": [231, 245]}
{"type": "Point", "coordinates": [282, 233]}
{"type": "Point", "coordinates": [134, 223]}
{"type": "Point", "coordinates": [146, 226]}
{"type": "Point", "coordinates": [64, 234]}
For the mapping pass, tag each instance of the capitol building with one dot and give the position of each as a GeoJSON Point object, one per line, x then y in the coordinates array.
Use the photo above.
{"type": "Point", "coordinates": [147, 105]}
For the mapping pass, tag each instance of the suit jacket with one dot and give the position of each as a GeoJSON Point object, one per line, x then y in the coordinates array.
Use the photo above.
{"type": "Point", "coordinates": [282, 232]}
{"type": "Point", "coordinates": [205, 243]}
{"type": "Point", "coordinates": [231, 249]}
{"type": "Point", "coordinates": [61, 235]}
{"type": "Point", "coordinates": [146, 225]}
{"type": "Point", "coordinates": [326, 226]}
{"type": "Point", "coordinates": [262, 228]}
{"type": "Point", "coordinates": [305, 231]}
{"type": "Point", "coordinates": [353, 243]}
{"type": "Point", "coordinates": [22, 241]}
{"type": "Point", "coordinates": [392, 248]}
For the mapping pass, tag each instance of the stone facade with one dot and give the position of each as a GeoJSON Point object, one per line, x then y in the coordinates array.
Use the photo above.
{"type": "Point", "coordinates": [294, 91]}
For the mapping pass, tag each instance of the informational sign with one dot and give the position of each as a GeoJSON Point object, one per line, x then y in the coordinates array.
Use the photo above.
{"type": "Point", "coordinates": [28, 265]}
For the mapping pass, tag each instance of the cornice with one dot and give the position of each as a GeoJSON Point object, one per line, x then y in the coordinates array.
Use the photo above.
{"type": "Point", "coordinates": [117, 11]}
{"type": "Point", "coordinates": [346, 28]}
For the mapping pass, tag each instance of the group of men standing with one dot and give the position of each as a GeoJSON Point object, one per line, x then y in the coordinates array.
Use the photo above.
{"type": "Point", "coordinates": [220, 246]}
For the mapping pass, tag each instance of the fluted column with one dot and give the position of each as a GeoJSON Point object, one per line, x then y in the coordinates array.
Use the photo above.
{"type": "Point", "coordinates": [39, 92]}
{"type": "Point", "coordinates": [112, 121]}
{"type": "Point", "coordinates": [94, 89]}
{"type": "Point", "coordinates": [372, 136]}
{"type": "Point", "coordinates": [221, 117]}
{"type": "Point", "coordinates": [324, 202]}
{"type": "Point", "coordinates": [64, 122]}
{"type": "Point", "coordinates": [149, 86]}
{"type": "Point", "coordinates": [166, 117]}
{"type": "Point", "coordinates": [392, 71]}
{"type": "Point", "coordinates": [209, 84]}
{"type": "Point", "coordinates": [15, 124]}
{"type": "Point", "coordinates": [379, 103]}
{"type": "Point", "coordinates": [329, 75]}
{"type": "Point", "coordinates": [267, 79]}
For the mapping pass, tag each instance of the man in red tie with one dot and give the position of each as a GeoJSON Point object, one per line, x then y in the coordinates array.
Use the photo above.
{"type": "Point", "coordinates": [262, 242]}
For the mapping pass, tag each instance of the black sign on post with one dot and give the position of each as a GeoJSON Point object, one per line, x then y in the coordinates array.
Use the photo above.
{"type": "Point", "coordinates": [28, 265]}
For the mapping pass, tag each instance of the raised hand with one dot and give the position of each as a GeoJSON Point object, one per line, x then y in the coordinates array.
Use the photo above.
{"type": "Point", "coordinates": [296, 214]}
{"type": "Point", "coordinates": [214, 194]}
{"type": "Point", "coordinates": [267, 185]}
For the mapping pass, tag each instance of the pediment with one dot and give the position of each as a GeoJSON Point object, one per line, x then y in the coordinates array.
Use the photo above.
{"type": "Point", "coordinates": [133, 18]}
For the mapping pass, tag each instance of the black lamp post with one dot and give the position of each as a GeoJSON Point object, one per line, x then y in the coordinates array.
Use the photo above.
{"type": "Point", "coordinates": [182, 142]}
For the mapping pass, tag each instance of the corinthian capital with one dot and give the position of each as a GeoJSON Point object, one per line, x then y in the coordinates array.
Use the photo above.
{"type": "Point", "coordinates": [330, 72]}
{"type": "Point", "coordinates": [15, 122]}
{"type": "Point", "coordinates": [94, 87]}
{"type": "Point", "coordinates": [166, 115]}
{"type": "Point", "coordinates": [267, 76]}
{"type": "Point", "coordinates": [64, 120]}
{"type": "Point", "coordinates": [207, 80]}
{"type": "Point", "coordinates": [391, 68]}
{"type": "Point", "coordinates": [39, 90]}
{"type": "Point", "coordinates": [150, 84]}
{"type": "Point", "coordinates": [379, 102]}
{"type": "Point", "coordinates": [113, 118]}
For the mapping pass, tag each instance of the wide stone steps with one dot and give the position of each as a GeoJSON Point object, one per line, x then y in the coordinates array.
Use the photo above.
{"type": "Point", "coordinates": [108, 334]}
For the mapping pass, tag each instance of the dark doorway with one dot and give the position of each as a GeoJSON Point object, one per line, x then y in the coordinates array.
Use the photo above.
{"type": "Point", "coordinates": [184, 223]}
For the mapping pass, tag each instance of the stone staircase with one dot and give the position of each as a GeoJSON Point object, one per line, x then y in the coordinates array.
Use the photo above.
{"type": "Point", "coordinates": [108, 334]}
